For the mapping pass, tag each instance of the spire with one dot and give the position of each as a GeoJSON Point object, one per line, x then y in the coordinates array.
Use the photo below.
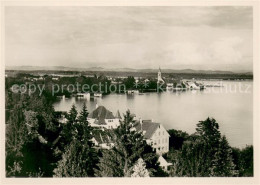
{"type": "Point", "coordinates": [159, 78]}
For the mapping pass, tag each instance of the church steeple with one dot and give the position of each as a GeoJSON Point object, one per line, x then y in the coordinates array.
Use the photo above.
{"type": "Point", "coordinates": [159, 76]}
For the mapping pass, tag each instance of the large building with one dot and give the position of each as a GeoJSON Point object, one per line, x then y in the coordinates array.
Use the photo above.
{"type": "Point", "coordinates": [101, 117]}
{"type": "Point", "coordinates": [155, 135]}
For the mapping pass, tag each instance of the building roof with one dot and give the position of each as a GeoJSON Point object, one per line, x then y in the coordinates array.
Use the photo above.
{"type": "Point", "coordinates": [163, 162]}
{"type": "Point", "coordinates": [103, 136]}
{"type": "Point", "coordinates": [101, 113]}
{"type": "Point", "coordinates": [148, 126]}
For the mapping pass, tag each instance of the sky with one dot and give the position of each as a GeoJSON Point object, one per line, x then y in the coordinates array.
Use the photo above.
{"type": "Point", "coordinates": [208, 38]}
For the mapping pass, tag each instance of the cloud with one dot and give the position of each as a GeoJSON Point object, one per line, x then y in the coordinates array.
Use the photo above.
{"type": "Point", "coordinates": [225, 50]}
{"type": "Point", "coordinates": [129, 36]}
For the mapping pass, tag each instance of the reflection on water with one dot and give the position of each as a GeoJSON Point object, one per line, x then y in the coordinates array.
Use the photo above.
{"type": "Point", "coordinates": [182, 110]}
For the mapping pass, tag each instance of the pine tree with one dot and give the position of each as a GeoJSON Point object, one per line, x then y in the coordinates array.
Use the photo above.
{"type": "Point", "coordinates": [80, 158]}
{"type": "Point", "coordinates": [208, 140]}
{"type": "Point", "coordinates": [83, 127]}
{"type": "Point", "coordinates": [208, 130]}
{"type": "Point", "coordinates": [205, 154]}
{"type": "Point", "coordinates": [139, 169]}
{"type": "Point", "coordinates": [223, 165]}
{"type": "Point", "coordinates": [129, 143]}
{"type": "Point", "coordinates": [129, 146]}
{"type": "Point", "coordinates": [109, 165]}
{"type": "Point", "coordinates": [16, 137]}
{"type": "Point", "coordinates": [68, 129]}
{"type": "Point", "coordinates": [189, 161]}
{"type": "Point", "coordinates": [73, 113]}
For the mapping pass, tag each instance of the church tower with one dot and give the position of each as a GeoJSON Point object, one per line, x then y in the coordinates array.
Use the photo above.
{"type": "Point", "coordinates": [159, 76]}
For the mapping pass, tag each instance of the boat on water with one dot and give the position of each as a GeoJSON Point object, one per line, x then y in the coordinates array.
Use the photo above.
{"type": "Point", "coordinates": [83, 95]}
{"type": "Point", "coordinates": [130, 91]}
{"type": "Point", "coordinates": [97, 94]}
{"type": "Point", "coordinates": [214, 85]}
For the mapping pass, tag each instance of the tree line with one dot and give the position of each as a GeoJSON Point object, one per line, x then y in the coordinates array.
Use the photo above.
{"type": "Point", "coordinates": [207, 153]}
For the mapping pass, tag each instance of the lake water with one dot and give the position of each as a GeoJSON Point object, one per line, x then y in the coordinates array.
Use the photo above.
{"type": "Point", "coordinates": [231, 105]}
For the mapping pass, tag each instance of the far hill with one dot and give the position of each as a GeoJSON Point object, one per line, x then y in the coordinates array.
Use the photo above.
{"type": "Point", "coordinates": [100, 69]}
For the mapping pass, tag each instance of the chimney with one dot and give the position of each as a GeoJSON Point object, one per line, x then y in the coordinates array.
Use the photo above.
{"type": "Point", "coordinates": [96, 105]}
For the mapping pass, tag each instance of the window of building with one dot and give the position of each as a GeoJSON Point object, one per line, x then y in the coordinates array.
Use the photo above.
{"type": "Point", "coordinates": [159, 141]}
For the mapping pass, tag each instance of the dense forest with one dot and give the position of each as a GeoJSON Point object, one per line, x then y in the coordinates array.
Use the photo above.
{"type": "Point", "coordinates": [207, 153]}
{"type": "Point", "coordinates": [38, 146]}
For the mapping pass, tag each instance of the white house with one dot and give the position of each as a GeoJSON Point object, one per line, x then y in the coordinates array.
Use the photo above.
{"type": "Point", "coordinates": [164, 164]}
{"type": "Point", "coordinates": [155, 135]}
{"type": "Point", "coordinates": [192, 85]}
{"type": "Point", "coordinates": [101, 117]}
{"type": "Point", "coordinates": [55, 78]}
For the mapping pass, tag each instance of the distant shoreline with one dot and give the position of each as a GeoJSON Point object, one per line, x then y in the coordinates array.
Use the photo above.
{"type": "Point", "coordinates": [201, 76]}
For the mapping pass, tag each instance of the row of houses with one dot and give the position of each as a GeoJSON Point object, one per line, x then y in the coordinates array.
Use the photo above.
{"type": "Point", "coordinates": [39, 78]}
{"type": "Point", "coordinates": [154, 133]}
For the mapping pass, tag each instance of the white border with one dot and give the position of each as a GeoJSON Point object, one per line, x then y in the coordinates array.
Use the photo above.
{"type": "Point", "coordinates": [173, 180]}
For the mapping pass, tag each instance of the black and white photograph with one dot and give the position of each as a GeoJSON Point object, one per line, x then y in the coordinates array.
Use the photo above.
{"type": "Point", "coordinates": [128, 91]}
